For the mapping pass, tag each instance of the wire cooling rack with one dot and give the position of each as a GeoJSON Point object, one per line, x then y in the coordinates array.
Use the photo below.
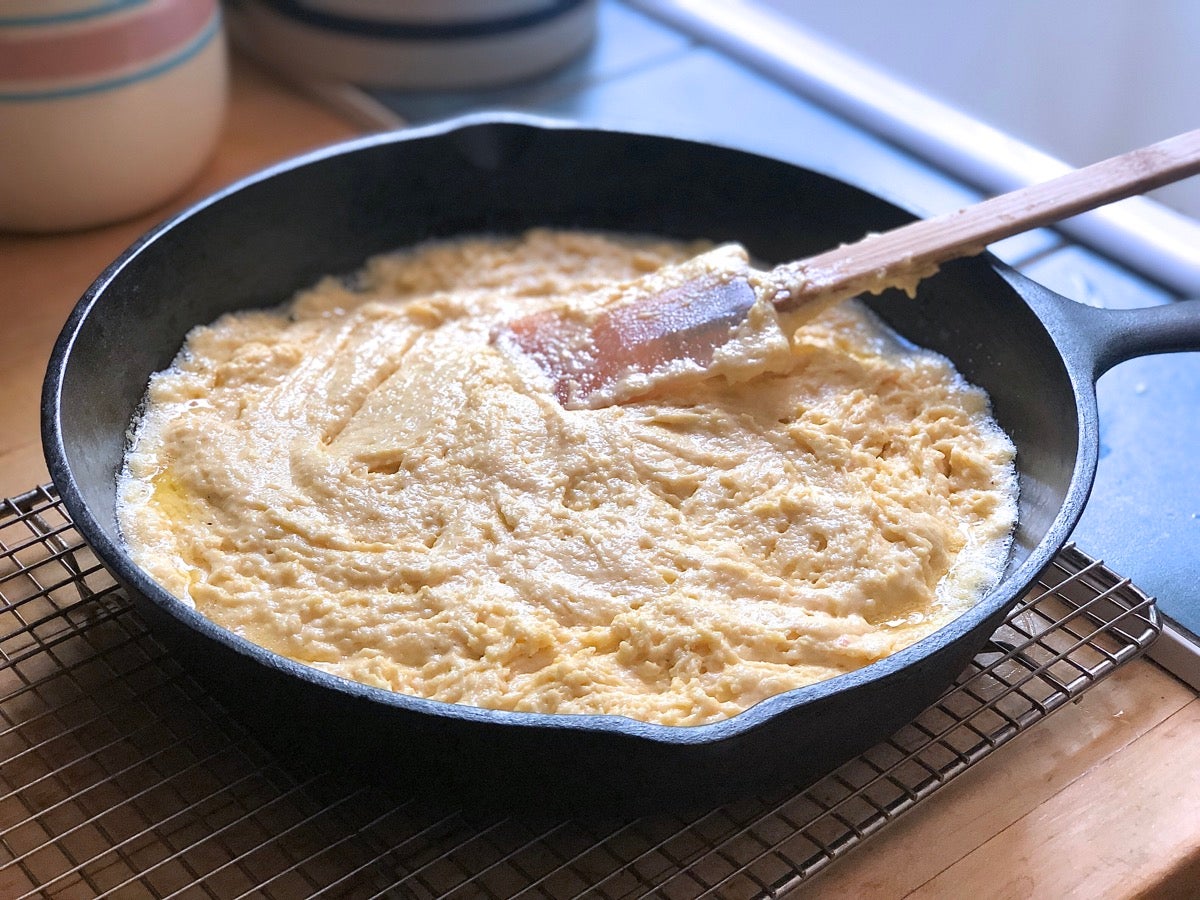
{"type": "Point", "coordinates": [120, 777]}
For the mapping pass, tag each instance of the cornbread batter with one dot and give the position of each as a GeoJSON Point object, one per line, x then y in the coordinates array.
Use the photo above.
{"type": "Point", "coordinates": [362, 482]}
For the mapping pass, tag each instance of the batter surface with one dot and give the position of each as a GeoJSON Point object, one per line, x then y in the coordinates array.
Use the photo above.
{"type": "Point", "coordinates": [360, 481]}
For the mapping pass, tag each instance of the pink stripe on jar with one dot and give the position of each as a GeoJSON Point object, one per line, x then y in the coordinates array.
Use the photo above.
{"type": "Point", "coordinates": [104, 44]}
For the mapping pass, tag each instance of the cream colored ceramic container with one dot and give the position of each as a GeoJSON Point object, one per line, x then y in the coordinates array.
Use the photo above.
{"type": "Point", "coordinates": [108, 108]}
{"type": "Point", "coordinates": [414, 44]}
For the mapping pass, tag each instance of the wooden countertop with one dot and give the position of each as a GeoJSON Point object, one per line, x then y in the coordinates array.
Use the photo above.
{"type": "Point", "coordinates": [1102, 799]}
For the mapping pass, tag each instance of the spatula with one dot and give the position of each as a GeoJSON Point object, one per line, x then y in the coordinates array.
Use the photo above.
{"type": "Point", "coordinates": [677, 319]}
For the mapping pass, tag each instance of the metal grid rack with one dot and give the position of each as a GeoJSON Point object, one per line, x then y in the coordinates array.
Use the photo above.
{"type": "Point", "coordinates": [119, 776]}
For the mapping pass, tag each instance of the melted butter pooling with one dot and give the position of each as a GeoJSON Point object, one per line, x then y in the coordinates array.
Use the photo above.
{"type": "Point", "coordinates": [361, 482]}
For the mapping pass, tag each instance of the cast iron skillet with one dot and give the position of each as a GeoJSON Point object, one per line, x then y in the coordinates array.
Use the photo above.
{"type": "Point", "coordinates": [1036, 353]}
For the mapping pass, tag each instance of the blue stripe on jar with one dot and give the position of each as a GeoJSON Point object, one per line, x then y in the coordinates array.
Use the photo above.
{"type": "Point", "coordinates": [183, 55]}
{"type": "Point", "coordinates": [440, 31]}
{"type": "Point", "coordinates": [77, 15]}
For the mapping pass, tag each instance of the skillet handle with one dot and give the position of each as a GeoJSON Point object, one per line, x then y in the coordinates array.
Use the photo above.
{"type": "Point", "coordinates": [1106, 337]}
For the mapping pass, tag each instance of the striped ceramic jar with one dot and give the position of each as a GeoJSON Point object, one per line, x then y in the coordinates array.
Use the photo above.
{"type": "Point", "coordinates": [414, 44]}
{"type": "Point", "coordinates": [107, 107]}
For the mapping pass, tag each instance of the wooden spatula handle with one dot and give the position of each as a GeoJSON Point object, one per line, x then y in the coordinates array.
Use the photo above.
{"type": "Point", "coordinates": [900, 257]}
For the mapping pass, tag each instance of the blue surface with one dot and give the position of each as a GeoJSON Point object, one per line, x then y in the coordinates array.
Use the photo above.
{"type": "Point", "coordinates": [626, 41]}
{"type": "Point", "coordinates": [1143, 517]}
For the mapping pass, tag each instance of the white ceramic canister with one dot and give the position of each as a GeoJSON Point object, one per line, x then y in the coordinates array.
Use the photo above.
{"type": "Point", "coordinates": [108, 108]}
{"type": "Point", "coordinates": [414, 44]}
